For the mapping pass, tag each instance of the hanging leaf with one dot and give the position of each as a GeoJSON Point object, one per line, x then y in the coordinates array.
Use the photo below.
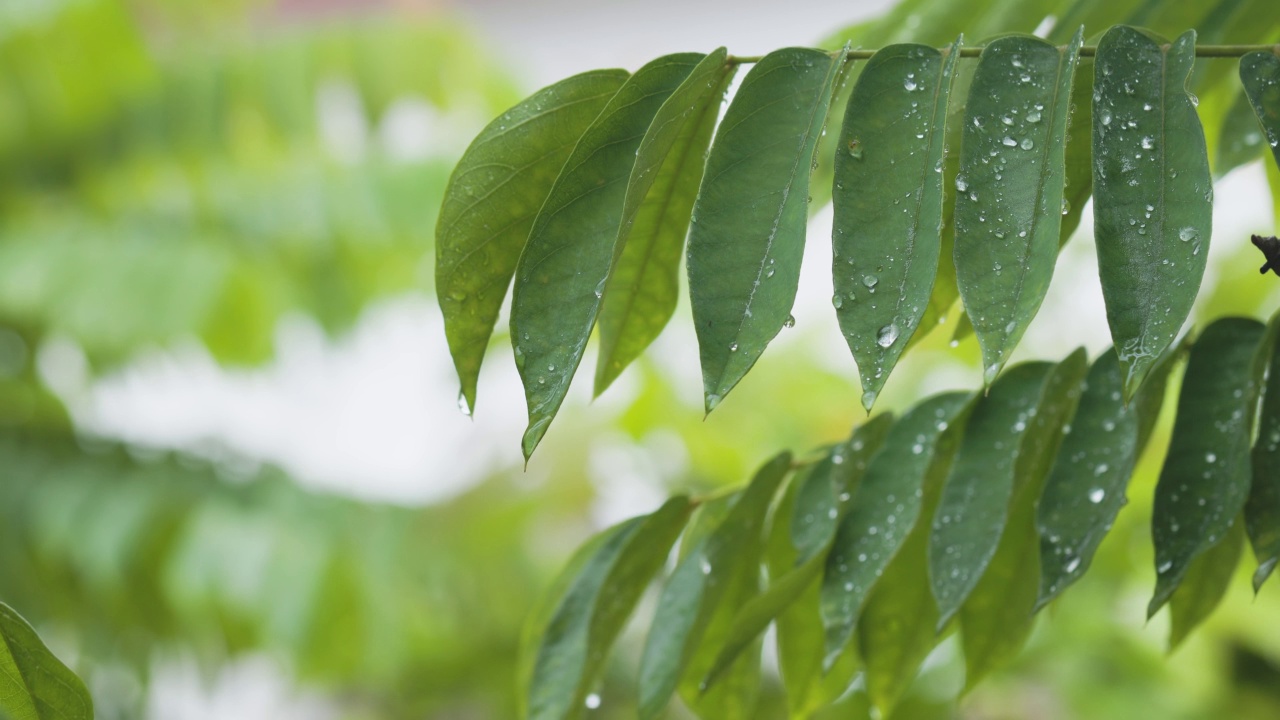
{"type": "Point", "coordinates": [1260, 75]}
{"type": "Point", "coordinates": [1206, 475]}
{"type": "Point", "coordinates": [574, 241]}
{"type": "Point", "coordinates": [34, 684]}
{"type": "Point", "coordinates": [975, 499]}
{"type": "Point", "coordinates": [748, 225]}
{"type": "Point", "coordinates": [697, 586]}
{"type": "Point", "coordinates": [492, 198]}
{"type": "Point", "coordinates": [1010, 187]}
{"type": "Point", "coordinates": [1204, 584]}
{"type": "Point", "coordinates": [827, 486]}
{"type": "Point", "coordinates": [1086, 487]}
{"type": "Point", "coordinates": [643, 288]}
{"type": "Point", "coordinates": [1262, 510]}
{"type": "Point", "coordinates": [1153, 194]}
{"type": "Point", "coordinates": [997, 619]}
{"type": "Point", "coordinates": [886, 233]}
{"type": "Point", "coordinates": [597, 604]}
{"type": "Point", "coordinates": [1240, 140]}
{"type": "Point", "coordinates": [882, 512]}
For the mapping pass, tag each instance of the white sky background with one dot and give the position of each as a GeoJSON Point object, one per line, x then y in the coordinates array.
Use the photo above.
{"type": "Point", "coordinates": [374, 413]}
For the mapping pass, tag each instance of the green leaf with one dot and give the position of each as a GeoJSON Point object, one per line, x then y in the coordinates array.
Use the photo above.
{"type": "Point", "coordinates": [1153, 195]}
{"type": "Point", "coordinates": [592, 613]}
{"type": "Point", "coordinates": [887, 230]}
{"type": "Point", "coordinates": [1204, 584]}
{"type": "Point", "coordinates": [644, 286]}
{"type": "Point", "coordinates": [974, 505]}
{"type": "Point", "coordinates": [492, 198]}
{"type": "Point", "coordinates": [825, 488]}
{"type": "Point", "coordinates": [1205, 480]}
{"type": "Point", "coordinates": [1008, 212]}
{"type": "Point", "coordinates": [1240, 141]}
{"type": "Point", "coordinates": [1260, 75]}
{"type": "Point", "coordinates": [747, 236]}
{"type": "Point", "coordinates": [882, 513]}
{"type": "Point", "coordinates": [34, 684]}
{"type": "Point", "coordinates": [697, 586]}
{"type": "Point", "coordinates": [574, 241]}
{"type": "Point", "coordinates": [999, 614]}
{"type": "Point", "coordinates": [1262, 510]}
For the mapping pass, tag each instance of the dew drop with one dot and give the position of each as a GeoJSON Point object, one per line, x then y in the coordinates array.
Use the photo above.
{"type": "Point", "coordinates": [1009, 142]}
{"type": "Point", "coordinates": [887, 335]}
{"type": "Point", "coordinates": [1096, 495]}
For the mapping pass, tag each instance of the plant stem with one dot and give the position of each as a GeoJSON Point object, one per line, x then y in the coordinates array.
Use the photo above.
{"type": "Point", "coordinates": [1202, 51]}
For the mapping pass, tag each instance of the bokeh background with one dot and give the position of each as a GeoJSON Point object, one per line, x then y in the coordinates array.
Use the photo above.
{"type": "Point", "coordinates": [234, 479]}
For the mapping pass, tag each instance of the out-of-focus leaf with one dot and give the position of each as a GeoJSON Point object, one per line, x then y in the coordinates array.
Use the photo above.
{"type": "Point", "coordinates": [882, 512]}
{"type": "Point", "coordinates": [1153, 193]}
{"type": "Point", "coordinates": [699, 583]}
{"type": "Point", "coordinates": [34, 684]}
{"type": "Point", "coordinates": [1205, 480]}
{"type": "Point", "coordinates": [974, 505]}
{"type": "Point", "coordinates": [826, 487]}
{"type": "Point", "coordinates": [492, 199]}
{"type": "Point", "coordinates": [1262, 510]}
{"type": "Point", "coordinates": [575, 239]}
{"type": "Point", "coordinates": [1009, 196]}
{"type": "Point", "coordinates": [1204, 584]}
{"type": "Point", "coordinates": [642, 290]}
{"type": "Point", "coordinates": [1241, 141]}
{"type": "Point", "coordinates": [886, 233]}
{"type": "Point", "coordinates": [996, 620]}
{"type": "Point", "coordinates": [748, 224]}
{"type": "Point", "coordinates": [595, 608]}
{"type": "Point", "coordinates": [1260, 75]}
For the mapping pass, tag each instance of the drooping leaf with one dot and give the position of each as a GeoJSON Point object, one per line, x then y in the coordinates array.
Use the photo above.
{"type": "Point", "coordinates": [34, 684]}
{"type": "Point", "coordinates": [575, 240]}
{"type": "Point", "coordinates": [827, 486]}
{"type": "Point", "coordinates": [999, 614]}
{"type": "Point", "coordinates": [886, 234]}
{"type": "Point", "coordinates": [974, 505]}
{"type": "Point", "coordinates": [641, 293]}
{"type": "Point", "coordinates": [1153, 195]}
{"type": "Point", "coordinates": [492, 199]}
{"type": "Point", "coordinates": [1262, 510]}
{"type": "Point", "coordinates": [882, 512]}
{"type": "Point", "coordinates": [1260, 75]}
{"type": "Point", "coordinates": [1204, 584]}
{"type": "Point", "coordinates": [1241, 140]}
{"type": "Point", "coordinates": [748, 224]}
{"type": "Point", "coordinates": [1010, 187]}
{"type": "Point", "coordinates": [593, 611]}
{"type": "Point", "coordinates": [1205, 480]}
{"type": "Point", "coordinates": [697, 586]}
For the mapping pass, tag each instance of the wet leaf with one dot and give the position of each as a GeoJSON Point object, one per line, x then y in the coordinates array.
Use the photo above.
{"type": "Point", "coordinates": [882, 512]}
{"type": "Point", "coordinates": [574, 242]}
{"type": "Point", "coordinates": [1010, 187]}
{"type": "Point", "coordinates": [492, 198]}
{"type": "Point", "coordinates": [642, 290]}
{"type": "Point", "coordinates": [595, 608]}
{"type": "Point", "coordinates": [1204, 585]}
{"type": "Point", "coordinates": [34, 684]}
{"type": "Point", "coordinates": [1153, 196]}
{"type": "Point", "coordinates": [747, 236]}
{"type": "Point", "coordinates": [1206, 475]}
{"type": "Point", "coordinates": [975, 499]}
{"type": "Point", "coordinates": [1262, 510]}
{"type": "Point", "coordinates": [698, 585]}
{"type": "Point", "coordinates": [1260, 75]}
{"type": "Point", "coordinates": [1240, 140]}
{"type": "Point", "coordinates": [886, 234]}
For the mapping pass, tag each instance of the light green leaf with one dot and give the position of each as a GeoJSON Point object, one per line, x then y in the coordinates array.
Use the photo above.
{"type": "Point", "coordinates": [1205, 480]}
{"type": "Point", "coordinates": [34, 684]}
{"type": "Point", "coordinates": [698, 585]}
{"type": "Point", "coordinates": [1204, 584]}
{"type": "Point", "coordinates": [1009, 198]}
{"type": "Point", "coordinates": [1260, 75]}
{"type": "Point", "coordinates": [1153, 195]}
{"type": "Point", "coordinates": [592, 613]}
{"type": "Point", "coordinates": [882, 513]}
{"type": "Point", "coordinates": [574, 242]}
{"type": "Point", "coordinates": [492, 198]}
{"type": "Point", "coordinates": [1262, 510]}
{"type": "Point", "coordinates": [887, 230]}
{"type": "Point", "coordinates": [974, 505]}
{"type": "Point", "coordinates": [642, 290]}
{"type": "Point", "coordinates": [748, 225]}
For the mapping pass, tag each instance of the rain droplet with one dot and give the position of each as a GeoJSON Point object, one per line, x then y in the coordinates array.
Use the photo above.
{"type": "Point", "coordinates": [463, 406]}
{"type": "Point", "coordinates": [836, 301]}
{"type": "Point", "coordinates": [1027, 144]}
{"type": "Point", "coordinates": [1187, 234]}
{"type": "Point", "coordinates": [1009, 142]}
{"type": "Point", "coordinates": [887, 335]}
{"type": "Point", "coordinates": [909, 84]}
{"type": "Point", "coordinates": [1148, 142]}
{"type": "Point", "coordinates": [1033, 116]}
{"type": "Point", "coordinates": [870, 280]}
{"type": "Point", "coordinates": [1096, 495]}
{"type": "Point", "coordinates": [790, 322]}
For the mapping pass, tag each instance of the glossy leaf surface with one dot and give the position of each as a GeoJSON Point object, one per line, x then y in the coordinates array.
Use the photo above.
{"type": "Point", "coordinates": [1260, 75]}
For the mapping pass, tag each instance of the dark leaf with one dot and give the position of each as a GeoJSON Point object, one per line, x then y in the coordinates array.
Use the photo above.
{"type": "Point", "coordinates": [1204, 584]}
{"type": "Point", "coordinates": [1262, 510]}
